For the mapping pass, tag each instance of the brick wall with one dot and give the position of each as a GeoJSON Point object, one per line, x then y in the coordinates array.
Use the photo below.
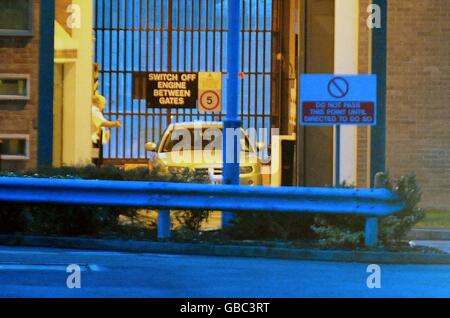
{"type": "Point", "coordinates": [363, 68]}
{"type": "Point", "coordinates": [418, 97]}
{"type": "Point", "coordinates": [21, 55]}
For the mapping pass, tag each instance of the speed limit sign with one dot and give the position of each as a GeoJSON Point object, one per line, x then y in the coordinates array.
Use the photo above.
{"type": "Point", "coordinates": [210, 101]}
{"type": "Point", "coordinates": [210, 92]}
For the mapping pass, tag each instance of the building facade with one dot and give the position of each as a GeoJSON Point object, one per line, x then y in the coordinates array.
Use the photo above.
{"type": "Point", "coordinates": [418, 90]}
{"type": "Point", "coordinates": [19, 77]}
{"type": "Point", "coordinates": [300, 36]}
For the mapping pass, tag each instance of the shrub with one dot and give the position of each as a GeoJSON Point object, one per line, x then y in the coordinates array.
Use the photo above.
{"type": "Point", "coordinates": [192, 221]}
{"type": "Point", "coordinates": [271, 226]}
{"type": "Point", "coordinates": [74, 220]}
{"type": "Point", "coordinates": [339, 231]}
{"type": "Point", "coordinates": [348, 231]}
{"type": "Point", "coordinates": [395, 227]}
{"type": "Point", "coordinates": [13, 218]}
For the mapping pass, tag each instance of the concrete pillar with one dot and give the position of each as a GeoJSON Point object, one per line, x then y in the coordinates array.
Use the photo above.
{"type": "Point", "coordinates": [83, 85]}
{"type": "Point", "coordinates": [346, 62]}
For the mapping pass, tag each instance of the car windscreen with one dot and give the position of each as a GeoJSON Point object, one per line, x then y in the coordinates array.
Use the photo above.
{"type": "Point", "coordinates": [192, 139]}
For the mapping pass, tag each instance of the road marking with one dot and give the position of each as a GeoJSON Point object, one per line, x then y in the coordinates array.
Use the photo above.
{"type": "Point", "coordinates": [59, 252]}
{"type": "Point", "coordinates": [34, 267]}
{"type": "Point", "coordinates": [46, 267]}
{"type": "Point", "coordinates": [84, 253]}
{"type": "Point", "coordinates": [11, 252]}
{"type": "Point", "coordinates": [90, 253]}
{"type": "Point", "coordinates": [94, 268]}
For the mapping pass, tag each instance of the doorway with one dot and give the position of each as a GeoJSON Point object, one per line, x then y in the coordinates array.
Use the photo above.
{"type": "Point", "coordinates": [58, 115]}
{"type": "Point", "coordinates": [315, 154]}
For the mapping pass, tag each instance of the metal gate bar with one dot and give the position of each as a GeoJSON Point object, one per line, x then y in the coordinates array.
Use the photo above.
{"type": "Point", "coordinates": [183, 36]}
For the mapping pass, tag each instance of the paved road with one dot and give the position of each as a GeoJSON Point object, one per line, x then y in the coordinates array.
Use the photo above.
{"type": "Point", "coordinates": [31, 272]}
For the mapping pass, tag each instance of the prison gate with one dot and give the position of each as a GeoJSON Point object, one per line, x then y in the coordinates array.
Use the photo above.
{"type": "Point", "coordinates": [179, 36]}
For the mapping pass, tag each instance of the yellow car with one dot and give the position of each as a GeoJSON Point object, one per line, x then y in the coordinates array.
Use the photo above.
{"type": "Point", "coordinates": [197, 147]}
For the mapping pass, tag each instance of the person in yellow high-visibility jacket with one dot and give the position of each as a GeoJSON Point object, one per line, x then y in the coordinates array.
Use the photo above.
{"type": "Point", "coordinates": [100, 124]}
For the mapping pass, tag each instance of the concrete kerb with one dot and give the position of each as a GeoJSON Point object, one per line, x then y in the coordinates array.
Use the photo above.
{"type": "Point", "coordinates": [371, 257]}
{"type": "Point", "coordinates": [429, 234]}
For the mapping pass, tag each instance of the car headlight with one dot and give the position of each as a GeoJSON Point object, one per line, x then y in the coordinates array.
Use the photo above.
{"type": "Point", "coordinates": [178, 170]}
{"type": "Point", "coordinates": [246, 170]}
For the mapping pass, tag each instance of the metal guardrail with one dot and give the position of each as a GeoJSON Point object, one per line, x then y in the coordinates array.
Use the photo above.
{"type": "Point", "coordinates": [370, 203]}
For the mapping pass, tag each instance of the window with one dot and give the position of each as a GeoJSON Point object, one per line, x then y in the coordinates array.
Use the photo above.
{"type": "Point", "coordinates": [14, 87]}
{"type": "Point", "coordinates": [14, 147]}
{"type": "Point", "coordinates": [16, 18]}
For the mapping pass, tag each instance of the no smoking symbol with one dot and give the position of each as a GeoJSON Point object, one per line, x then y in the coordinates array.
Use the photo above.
{"type": "Point", "coordinates": [338, 87]}
{"type": "Point", "coordinates": [209, 100]}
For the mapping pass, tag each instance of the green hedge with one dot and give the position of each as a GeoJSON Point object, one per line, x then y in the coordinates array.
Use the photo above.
{"type": "Point", "coordinates": [348, 231]}
{"type": "Point", "coordinates": [333, 230]}
{"type": "Point", "coordinates": [329, 231]}
{"type": "Point", "coordinates": [74, 220]}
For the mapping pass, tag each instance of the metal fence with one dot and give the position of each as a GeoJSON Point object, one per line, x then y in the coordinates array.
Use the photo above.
{"type": "Point", "coordinates": [179, 36]}
{"type": "Point", "coordinates": [370, 203]}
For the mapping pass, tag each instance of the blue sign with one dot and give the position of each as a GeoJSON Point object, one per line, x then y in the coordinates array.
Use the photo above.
{"type": "Point", "coordinates": [328, 100]}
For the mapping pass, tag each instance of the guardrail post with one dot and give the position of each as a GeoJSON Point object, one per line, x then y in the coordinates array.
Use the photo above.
{"type": "Point", "coordinates": [371, 232]}
{"type": "Point", "coordinates": [164, 224]}
{"type": "Point", "coordinates": [380, 180]}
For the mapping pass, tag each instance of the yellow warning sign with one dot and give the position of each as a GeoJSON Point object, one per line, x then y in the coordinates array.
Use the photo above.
{"type": "Point", "coordinates": [210, 92]}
